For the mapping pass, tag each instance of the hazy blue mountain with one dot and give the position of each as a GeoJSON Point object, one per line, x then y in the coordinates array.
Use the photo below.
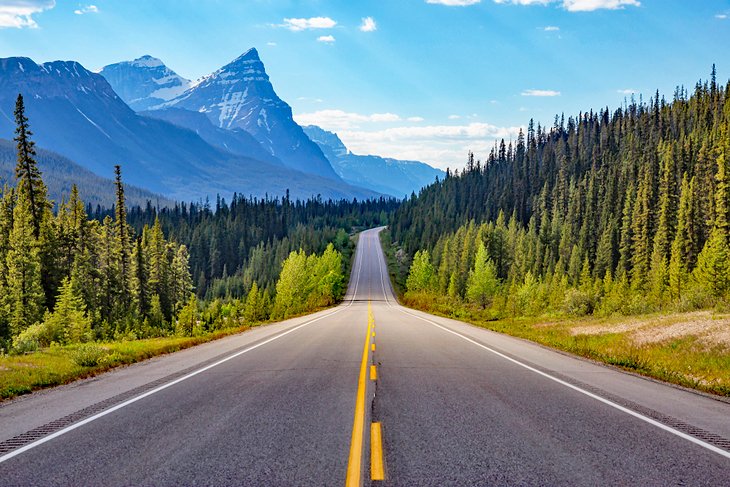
{"type": "Point", "coordinates": [236, 141]}
{"type": "Point", "coordinates": [77, 114]}
{"type": "Point", "coordinates": [240, 95]}
{"type": "Point", "coordinates": [381, 174]}
{"type": "Point", "coordinates": [60, 173]}
{"type": "Point", "coordinates": [144, 82]}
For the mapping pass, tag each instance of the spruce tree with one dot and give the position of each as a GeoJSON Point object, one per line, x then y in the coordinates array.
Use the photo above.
{"type": "Point", "coordinates": [122, 233]}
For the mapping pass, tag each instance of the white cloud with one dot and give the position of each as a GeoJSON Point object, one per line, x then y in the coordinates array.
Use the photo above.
{"type": "Point", "coordinates": [326, 39]}
{"type": "Point", "coordinates": [540, 93]}
{"type": "Point", "coordinates": [454, 3]}
{"type": "Point", "coordinates": [627, 91]}
{"type": "Point", "coordinates": [441, 145]}
{"type": "Point", "coordinates": [721, 16]}
{"type": "Point", "coordinates": [19, 13]}
{"type": "Point", "coordinates": [525, 2]}
{"type": "Point", "coordinates": [551, 28]}
{"type": "Point", "coordinates": [591, 5]}
{"type": "Point", "coordinates": [88, 9]}
{"type": "Point", "coordinates": [271, 44]}
{"type": "Point", "coordinates": [368, 25]}
{"type": "Point", "coordinates": [295, 24]}
{"type": "Point", "coordinates": [339, 119]}
{"type": "Point", "coordinates": [454, 117]}
{"type": "Point", "coordinates": [578, 5]}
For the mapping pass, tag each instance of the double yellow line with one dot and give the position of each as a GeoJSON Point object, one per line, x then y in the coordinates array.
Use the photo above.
{"type": "Point", "coordinates": [354, 464]}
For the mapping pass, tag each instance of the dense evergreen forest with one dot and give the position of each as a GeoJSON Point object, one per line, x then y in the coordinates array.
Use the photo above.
{"type": "Point", "coordinates": [73, 276]}
{"type": "Point", "coordinates": [606, 212]}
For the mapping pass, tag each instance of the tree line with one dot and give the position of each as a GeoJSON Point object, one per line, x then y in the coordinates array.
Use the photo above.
{"type": "Point", "coordinates": [608, 212]}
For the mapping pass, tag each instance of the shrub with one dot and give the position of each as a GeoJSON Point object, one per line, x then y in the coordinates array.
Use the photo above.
{"type": "Point", "coordinates": [88, 355]}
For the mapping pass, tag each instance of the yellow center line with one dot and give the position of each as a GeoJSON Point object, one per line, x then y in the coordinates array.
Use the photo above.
{"type": "Point", "coordinates": [372, 347]}
{"type": "Point", "coordinates": [377, 471]}
{"type": "Point", "coordinates": [354, 463]}
{"type": "Point", "coordinates": [373, 373]}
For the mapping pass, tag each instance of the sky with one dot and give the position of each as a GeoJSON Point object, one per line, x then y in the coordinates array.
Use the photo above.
{"type": "Point", "coordinates": [423, 80]}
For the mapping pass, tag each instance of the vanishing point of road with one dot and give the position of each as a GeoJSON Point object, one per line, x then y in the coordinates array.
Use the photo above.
{"type": "Point", "coordinates": [368, 393]}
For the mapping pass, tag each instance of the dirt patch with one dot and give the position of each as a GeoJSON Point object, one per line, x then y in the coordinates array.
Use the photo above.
{"type": "Point", "coordinates": [707, 330]}
{"type": "Point", "coordinates": [603, 329]}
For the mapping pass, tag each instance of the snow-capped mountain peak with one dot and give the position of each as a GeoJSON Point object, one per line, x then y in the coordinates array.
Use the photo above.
{"type": "Point", "coordinates": [240, 96]}
{"type": "Point", "coordinates": [145, 82]}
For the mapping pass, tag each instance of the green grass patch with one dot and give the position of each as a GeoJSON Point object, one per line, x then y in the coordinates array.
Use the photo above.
{"type": "Point", "coordinates": [692, 361]}
{"type": "Point", "coordinates": [56, 365]}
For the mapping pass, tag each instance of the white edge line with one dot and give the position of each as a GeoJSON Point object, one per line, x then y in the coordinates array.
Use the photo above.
{"type": "Point", "coordinates": [72, 427]}
{"type": "Point", "coordinates": [614, 405]}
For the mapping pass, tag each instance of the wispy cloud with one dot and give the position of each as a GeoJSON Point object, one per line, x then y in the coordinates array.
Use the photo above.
{"type": "Point", "coordinates": [415, 119]}
{"type": "Point", "coordinates": [551, 28]}
{"type": "Point", "coordinates": [19, 13]}
{"type": "Point", "coordinates": [540, 93]}
{"type": "Point", "coordinates": [332, 119]}
{"type": "Point", "coordinates": [298, 24]}
{"type": "Point", "coordinates": [454, 3]}
{"type": "Point", "coordinates": [368, 25]}
{"type": "Point", "coordinates": [271, 44]}
{"type": "Point", "coordinates": [627, 91]}
{"type": "Point", "coordinates": [87, 9]}
{"type": "Point", "coordinates": [721, 16]}
{"type": "Point", "coordinates": [326, 39]}
{"type": "Point", "coordinates": [578, 5]}
{"type": "Point", "coordinates": [454, 117]}
{"type": "Point", "coordinates": [441, 145]}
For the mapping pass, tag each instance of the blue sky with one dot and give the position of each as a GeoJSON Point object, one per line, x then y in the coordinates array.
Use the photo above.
{"type": "Point", "coordinates": [421, 79]}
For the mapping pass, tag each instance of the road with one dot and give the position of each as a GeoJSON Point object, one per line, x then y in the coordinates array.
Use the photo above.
{"type": "Point", "coordinates": [294, 403]}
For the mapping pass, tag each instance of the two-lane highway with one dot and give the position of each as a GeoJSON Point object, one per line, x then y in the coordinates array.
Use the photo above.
{"type": "Point", "coordinates": [296, 403]}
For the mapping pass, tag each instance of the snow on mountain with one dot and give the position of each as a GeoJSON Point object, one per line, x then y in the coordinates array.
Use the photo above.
{"type": "Point", "coordinates": [384, 175]}
{"type": "Point", "coordinates": [240, 95]}
{"type": "Point", "coordinates": [77, 114]}
{"type": "Point", "coordinates": [145, 82]}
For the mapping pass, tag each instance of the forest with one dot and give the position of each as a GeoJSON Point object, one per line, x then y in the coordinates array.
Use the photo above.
{"type": "Point", "coordinates": [70, 274]}
{"type": "Point", "coordinates": [608, 212]}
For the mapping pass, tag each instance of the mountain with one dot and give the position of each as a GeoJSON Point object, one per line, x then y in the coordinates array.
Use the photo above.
{"type": "Point", "coordinates": [60, 173]}
{"type": "Point", "coordinates": [77, 114]}
{"type": "Point", "coordinates": [240, 95]}
{"type": "Point", "coordinates": [144, 82]}
{"type": "Point", "coordinates": [236, 141]}
{"type": "Point", "coordinates": [389, 176]}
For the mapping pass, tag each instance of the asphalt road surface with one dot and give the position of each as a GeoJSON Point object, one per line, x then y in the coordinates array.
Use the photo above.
{"type": "Point", "coordinates": [367, 390]}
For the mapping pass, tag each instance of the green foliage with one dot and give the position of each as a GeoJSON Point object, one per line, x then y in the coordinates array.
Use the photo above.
{"type": "Point", "coordinates": [187, 321]}
{"type": "Point", "coordinates": [483, 283]}
{"type": "Point", "coordinates": [421, 275]}
{"type": "Point", "coordinates": [88, 355]}
{"type": "Point", "coordinates": [308, 282]}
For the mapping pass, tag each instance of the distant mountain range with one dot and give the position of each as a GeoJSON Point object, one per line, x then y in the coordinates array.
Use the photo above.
{"type": "Point", "coordinates": [389, 176]}
{"type": "Point", "coordinates": [228, 132]}
{"type": "Point", "coordinates": [77, 114]}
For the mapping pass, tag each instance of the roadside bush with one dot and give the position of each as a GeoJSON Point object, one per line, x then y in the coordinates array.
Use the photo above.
{"type": "Point", "coordinates": [577, 303]}
{"type": "Point", "coordinates": [88, 355]}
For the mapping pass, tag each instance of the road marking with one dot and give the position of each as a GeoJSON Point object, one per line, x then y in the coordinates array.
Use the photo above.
{"type": "Point", "coordinates": [612, 404]}
{"type": "Point", "coordinates": [377, 471]}
{"type": "Point", "coordinates": [372, 347]}
{"type": "Point", "coordinates": [373, 373]}
{"type": "Point", "coordinates": [112, 409]}
{"type": "Point", "coordinates": [354, 462]}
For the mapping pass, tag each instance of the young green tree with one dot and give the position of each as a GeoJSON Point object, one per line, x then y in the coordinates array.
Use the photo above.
{"type": "Point", "coordinates": [421, 277]}
{"type": "Point", "coordinates": [70, 318]}
{"type": "Point", "coordinates": [482, 283]}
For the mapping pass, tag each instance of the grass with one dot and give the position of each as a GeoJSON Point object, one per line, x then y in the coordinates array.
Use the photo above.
{"type": "Point", "coordinates": [692, 360]}
{"type": "Point", "coordinates": [21, 374]}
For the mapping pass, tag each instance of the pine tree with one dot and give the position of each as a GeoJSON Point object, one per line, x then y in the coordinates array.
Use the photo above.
{"type": "Point", "coordinates": [122, 233]}
{"type": "Point", "coordinates": [679, 262]}
{"type": "Point", "coordinates": [23, 261]}
{"type": "Point", "coordinates": [26, 170]}
{"type": "Point", "coordinates": [70, 317]}
{"type": "Point", "coordinates": [421, 277]}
